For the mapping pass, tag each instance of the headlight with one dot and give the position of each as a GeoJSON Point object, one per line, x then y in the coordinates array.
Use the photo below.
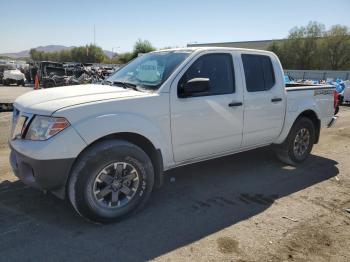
{"type": "Point", "coordinates": [44, 127]}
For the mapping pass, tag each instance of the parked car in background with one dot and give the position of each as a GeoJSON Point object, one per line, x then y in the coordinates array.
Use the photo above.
{"type": "Point", "coordinates": [106, 147]}
{"type": "Point", "coordinates": [11, 75]}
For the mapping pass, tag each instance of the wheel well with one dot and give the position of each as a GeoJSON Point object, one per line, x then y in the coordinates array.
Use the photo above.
{"type": "Point", "coordinates": [317, 123]}
{"type": "Point", "coordinates": [154, 154]}
{"type": "Point", "coordinates": [146, 145]}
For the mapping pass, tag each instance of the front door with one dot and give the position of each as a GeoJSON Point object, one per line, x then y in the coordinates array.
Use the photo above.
{"type": "Point", "coordinates": [211, 122]}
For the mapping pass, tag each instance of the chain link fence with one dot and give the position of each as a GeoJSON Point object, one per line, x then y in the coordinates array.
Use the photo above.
{"type": "Point", "coordinates": [318, 74]}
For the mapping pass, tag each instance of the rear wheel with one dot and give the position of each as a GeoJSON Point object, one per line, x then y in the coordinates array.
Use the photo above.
{"type": "Point", "coordinates": [298, 145]}
{"type": "Point", "coordinates": [111, 180]}
{"type": "Point", "coordinates": [49, 84]}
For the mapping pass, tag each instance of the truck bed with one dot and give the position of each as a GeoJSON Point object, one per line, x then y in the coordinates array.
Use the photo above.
{"type": "Point", "coordinates": [301, 86]}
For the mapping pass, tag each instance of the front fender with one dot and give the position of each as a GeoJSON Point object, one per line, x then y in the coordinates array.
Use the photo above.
{"type": "Point", "coordinates": [93, 128]}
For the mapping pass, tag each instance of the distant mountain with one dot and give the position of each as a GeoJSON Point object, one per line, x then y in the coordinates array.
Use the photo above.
{"type": "Point", "coordinates": [52, 48]}
{"type": "Point", "coordinates": [16, 55]}
{"type": "Point", "coordinates": [48, 49]}
{"type": "Point", "coordinates": [108, 53]}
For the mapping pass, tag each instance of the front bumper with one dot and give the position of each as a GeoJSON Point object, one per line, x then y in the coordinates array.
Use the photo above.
{"type": "Point", "coordinates": [13, 81]}
{"type": "Point", "coordinates": [42, 174]}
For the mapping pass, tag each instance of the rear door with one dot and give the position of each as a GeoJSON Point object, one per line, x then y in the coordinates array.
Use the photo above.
{"type": "Point", "coordinates": [207, 123]}
{"type": "Point", "coordinates": [264, 105]}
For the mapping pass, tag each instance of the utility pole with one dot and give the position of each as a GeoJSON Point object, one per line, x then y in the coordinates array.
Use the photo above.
{"type": "Point", "coordinates": [94, 35]}
{"type": "Point", "coordinates": [113, 49]}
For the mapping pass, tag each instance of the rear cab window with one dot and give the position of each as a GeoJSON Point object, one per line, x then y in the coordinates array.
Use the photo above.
{"type": "Point", "coordinates": [258, 71]}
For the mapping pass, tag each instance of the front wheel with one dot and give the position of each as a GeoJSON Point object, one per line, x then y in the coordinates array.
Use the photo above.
{"type": "Point", "coordinates": [20, 83]}
{"type": "Point", "coordinates": [111, 179]}
{"type": "Point", "coordinates": [298, 145]}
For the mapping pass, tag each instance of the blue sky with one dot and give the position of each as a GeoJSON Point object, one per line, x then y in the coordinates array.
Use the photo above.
{"type": "Point", "coordinates": [26, 24]}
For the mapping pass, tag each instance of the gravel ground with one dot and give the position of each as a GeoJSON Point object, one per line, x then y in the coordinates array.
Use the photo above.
{"type": "Point", "coordinates": [245, 207]}
{"type": "Point", "coordinates": [9, 93]}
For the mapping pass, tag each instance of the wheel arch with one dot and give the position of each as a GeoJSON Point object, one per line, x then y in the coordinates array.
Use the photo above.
{"type": "Point", "coordinates": [145, 144]}
{"type": "Point", "coordinates": [315, 120]}
{"type": "Point", "coordinates": [293, 117]}
{"type": "Point", "coordinates": [155, 154]}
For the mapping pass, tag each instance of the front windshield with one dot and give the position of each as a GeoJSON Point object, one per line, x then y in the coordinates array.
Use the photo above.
{"type": "Point", "coordinates": [149, 71]}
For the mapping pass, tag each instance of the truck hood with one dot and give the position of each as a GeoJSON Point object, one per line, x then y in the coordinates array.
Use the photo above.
{"type": "Point", "coordinates": [47, 101]}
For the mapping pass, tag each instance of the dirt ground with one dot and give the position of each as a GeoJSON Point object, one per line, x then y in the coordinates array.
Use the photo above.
{"type": "Point", "coordinates": [9, 93]}
{"type": "Point", "coordinates": [245, 207]}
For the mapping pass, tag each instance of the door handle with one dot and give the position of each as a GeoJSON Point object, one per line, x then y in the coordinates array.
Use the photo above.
{"type": "Point", "coordinates": [273, 100]}
{"type": "Point", "coordinates": [235, 104]}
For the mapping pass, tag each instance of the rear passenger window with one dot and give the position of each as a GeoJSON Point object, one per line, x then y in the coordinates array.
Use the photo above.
{"type": "Point", "coordinates": [218, 68]}
{"type": "Point", "coordinates": [259, 74]}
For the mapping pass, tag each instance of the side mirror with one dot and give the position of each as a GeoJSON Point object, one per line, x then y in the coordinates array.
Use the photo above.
{"type": "Point", "coordinates": [194, 86]}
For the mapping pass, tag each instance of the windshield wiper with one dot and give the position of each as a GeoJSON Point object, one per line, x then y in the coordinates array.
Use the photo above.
{"type": "Point", "coordinates": [126, 85]}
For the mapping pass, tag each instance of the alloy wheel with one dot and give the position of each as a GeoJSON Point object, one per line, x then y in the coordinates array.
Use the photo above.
{"type": "Point", "coordinates": [116, 185]}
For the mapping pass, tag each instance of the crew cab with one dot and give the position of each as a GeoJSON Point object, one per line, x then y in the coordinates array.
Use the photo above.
{"type": "Point", "coordinates": [105, 147]}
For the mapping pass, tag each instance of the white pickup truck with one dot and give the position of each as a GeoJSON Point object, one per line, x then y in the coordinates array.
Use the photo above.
{"type": "Point", "coordinates": [106, 146]}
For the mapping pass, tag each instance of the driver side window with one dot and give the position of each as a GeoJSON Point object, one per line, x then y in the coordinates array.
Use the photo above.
{"type": "Point", "coordinates": [218, 68]}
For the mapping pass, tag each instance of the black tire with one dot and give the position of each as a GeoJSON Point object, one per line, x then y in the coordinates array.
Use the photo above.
{"type": "Point", "coordinates": [49, 84]}
{"type": "Point", "coordinates": [90, 164]}
{"type": "Point", "coordinates": [287, 151]}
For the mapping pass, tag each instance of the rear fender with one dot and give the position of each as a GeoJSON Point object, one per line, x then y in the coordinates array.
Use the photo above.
{"type": "Point", "coordinates": [296, 108]}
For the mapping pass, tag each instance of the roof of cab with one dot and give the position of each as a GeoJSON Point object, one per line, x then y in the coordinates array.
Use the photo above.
{"type": "Point", "coordinates": [204, 48]}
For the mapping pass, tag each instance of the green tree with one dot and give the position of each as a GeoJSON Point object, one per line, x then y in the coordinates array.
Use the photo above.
{"type": "Point", "coordinates": [92, 54]}
{"type": "Point", "coordinates": [303, 45]}
{"type": "Point", "coordinates": [87, 54]}
{"type": "Point", "coordinates": [142, 47]}
{"type": "Point", "coordinates": [84, 54]}
{"type": "Point", "coordinates": [124, 58]}
{"type": "Point", "coordinates": [36, 55]}
{"type": "Point", "coordinates": [312, 47]}
{"type": "Point", "coordinates": [336, 48]}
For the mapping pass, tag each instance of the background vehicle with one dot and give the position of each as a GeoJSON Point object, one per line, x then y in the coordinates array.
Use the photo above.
{"type": "Point", "coordinates": [11, 75]}
{"type": "Point", "coordinates": [48, 67]}
{"type": "Point", "coordinates": [346, 94]}
{"type": "Point", "coordinates": [106, 147]}
{"type": "Point", "coordinates": [55, 78]}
